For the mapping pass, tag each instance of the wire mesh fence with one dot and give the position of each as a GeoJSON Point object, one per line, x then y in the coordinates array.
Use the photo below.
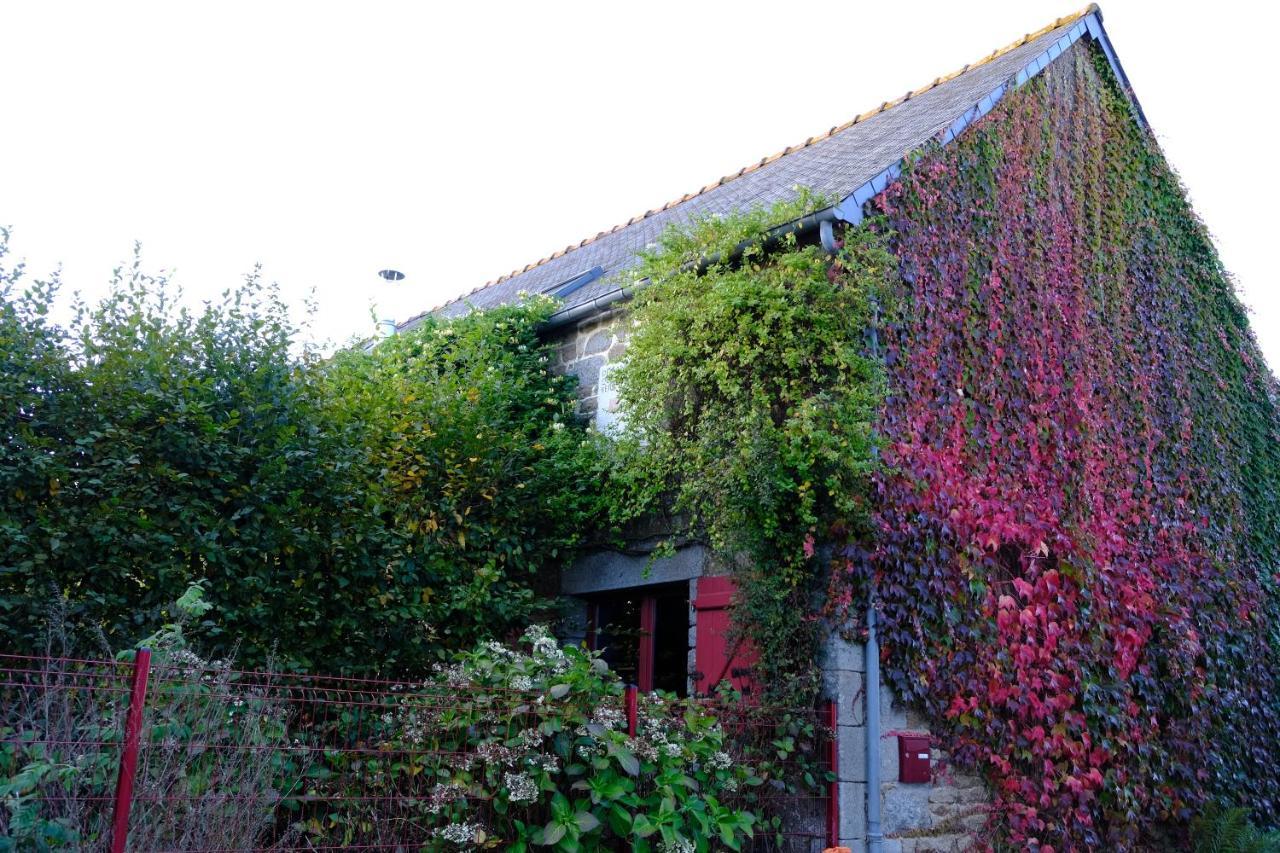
{"type": "Point", "coordinates": [249, 760]}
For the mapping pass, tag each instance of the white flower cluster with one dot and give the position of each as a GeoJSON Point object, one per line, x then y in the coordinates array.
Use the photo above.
{"type": "Point", "coordinates": [546, 649]}
{"type": "Point", "coordinates": [654, 739]}
{"type": "Point", "coordinates": [643, 748]}
{"type": "Point", "coordinates": [191, 664]}
{"type": "Point", "coordinates": [530, 738]}
{"type": "Point", "coordinates": [679, 846]}
{"type": "Point", "coordinates": [415, 724]}
{"type": "Point", "coordinates": [610, 718]}
{"type": "Point", "coordinates": [442, 796]}
{"type": "Point", "coordinates": [499, 651]}
{"type": "Point", "coordinates": [520, 787]}
{"type": "Point", "coordinates": [521, 682]}
{"type": "Point", "coordinates": [493, 752]}
{"type": "Point", "coordinates": [454, 676]}
{"type": "Point", "coordinates": [720, 761]}
{"type": "Point", "coordinates": [460, 833]}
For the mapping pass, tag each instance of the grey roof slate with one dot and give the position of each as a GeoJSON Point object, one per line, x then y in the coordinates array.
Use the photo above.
{"type": "Point", "coordinates": [833, 166]}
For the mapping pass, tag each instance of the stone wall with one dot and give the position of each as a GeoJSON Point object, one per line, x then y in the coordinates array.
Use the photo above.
{"type": "Point", "coordinates": [938, 816]}
{"type": "Point", "coordinates": [914, 818]}
{"type": "Point", "coordinates": [585, 351]}
{"type": "Point", "coordinates": [844, 671]}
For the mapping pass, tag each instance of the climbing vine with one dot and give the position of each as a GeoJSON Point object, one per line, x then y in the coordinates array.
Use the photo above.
{"type": "Point", "coordinates": [750, 398]}
{"type": "Point", "coordinates": [1077, 542]}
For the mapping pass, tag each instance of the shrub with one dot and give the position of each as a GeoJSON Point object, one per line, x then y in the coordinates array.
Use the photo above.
{"type": "Point", "coordinates": [480, 472]}
{"type": "Point", "coordinates": [509, 749]}
{"type": "Point", "coordinates": [362, 513]}
{"type": "Point", "coordinates": [212, 772]}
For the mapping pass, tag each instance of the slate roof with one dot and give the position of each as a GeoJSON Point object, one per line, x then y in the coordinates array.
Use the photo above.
{"type": "Point", "coordinates": [834, 164]}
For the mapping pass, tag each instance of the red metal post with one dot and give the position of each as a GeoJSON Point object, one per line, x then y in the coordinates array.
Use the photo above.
{"type": "Point", "coordinates": [833, 793]}
{"type": "Point", "coordinates": [129, 752]}
{"type": "Point", "coordinates": [631, 710]}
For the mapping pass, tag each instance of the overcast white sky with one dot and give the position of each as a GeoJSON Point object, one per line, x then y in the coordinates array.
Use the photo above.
{"type": "Point", "coordinates": [458, 141]}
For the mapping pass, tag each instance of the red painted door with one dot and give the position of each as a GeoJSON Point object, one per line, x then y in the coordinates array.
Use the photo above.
{"type": "Point", "coordinates": [719, 654]}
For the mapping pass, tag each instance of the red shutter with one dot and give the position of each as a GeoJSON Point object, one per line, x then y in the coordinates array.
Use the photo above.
{"type": "Point", "coordinates": [719, 654]}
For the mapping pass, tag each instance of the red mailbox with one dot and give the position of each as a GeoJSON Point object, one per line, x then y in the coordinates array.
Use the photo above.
{"type": "Point", "coordinates": [913, 759]}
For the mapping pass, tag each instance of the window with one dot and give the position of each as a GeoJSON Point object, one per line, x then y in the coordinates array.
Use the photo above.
{"type": "Point", "coordinates": [644, 635]}
{"type": "Point", "coordinates": [609, 419]}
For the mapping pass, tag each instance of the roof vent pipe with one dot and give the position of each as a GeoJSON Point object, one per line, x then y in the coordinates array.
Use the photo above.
{"type": "Point", "coordinates": [387, 325]}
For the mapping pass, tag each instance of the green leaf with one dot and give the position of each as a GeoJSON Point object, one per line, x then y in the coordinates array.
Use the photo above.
{"type": "Point", "coordinates": [642, 827]}
{"type": "Point", "coordinates": [552, 833]}
{"type": "Point", "coordinates": [626, 759]}
{"type": "Point", "coordinates": [619, 820]}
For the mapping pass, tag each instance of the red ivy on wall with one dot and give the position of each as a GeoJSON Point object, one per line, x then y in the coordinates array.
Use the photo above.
{"type": "Point", "coordinates": [1079, 515]}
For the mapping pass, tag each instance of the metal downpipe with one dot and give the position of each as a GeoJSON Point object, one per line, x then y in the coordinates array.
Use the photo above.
{"type": "Point", "coordinates": [874, 834]}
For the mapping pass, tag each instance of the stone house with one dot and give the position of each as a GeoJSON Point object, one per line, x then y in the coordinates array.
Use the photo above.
{"type": "Point", "coordinates": [669, 619]}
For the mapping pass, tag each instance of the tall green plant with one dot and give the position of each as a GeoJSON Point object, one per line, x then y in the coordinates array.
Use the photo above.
{"type": "Point", "coordinates": [472, 454]}
{"type": "Point", "coordinates": [749, 397]}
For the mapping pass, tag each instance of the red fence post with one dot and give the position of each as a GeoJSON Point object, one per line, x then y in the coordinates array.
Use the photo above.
{"type": "Point", "coordinates": [631, 710]}
{"type": "Point", "coordinates": [129, 752]}
{"type": "Point", "coordinates": [833, 792]}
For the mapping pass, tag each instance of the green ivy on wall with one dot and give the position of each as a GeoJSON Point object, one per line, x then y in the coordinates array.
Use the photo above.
{"type": "Point", "coordinates": [750, 398]}
{"type": "Point", "coordinates": [1077, 541]}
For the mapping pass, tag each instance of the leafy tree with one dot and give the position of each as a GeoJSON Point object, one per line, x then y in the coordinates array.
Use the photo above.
{"type": "Point", "coordinates": [358, 513]}
{"type": "Point", "coordinates": [474, 459]}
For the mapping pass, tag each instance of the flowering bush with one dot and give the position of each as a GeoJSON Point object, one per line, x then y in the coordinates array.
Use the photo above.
{"type": "Point", "coordinates": [531, 748]}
